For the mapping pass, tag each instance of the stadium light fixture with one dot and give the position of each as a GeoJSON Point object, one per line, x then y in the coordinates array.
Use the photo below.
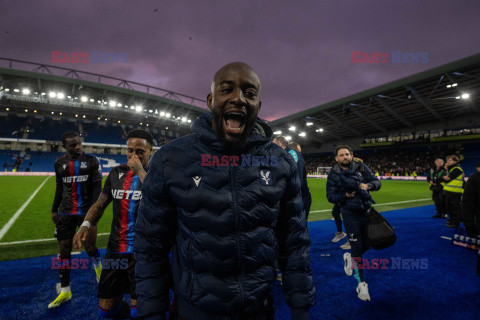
{"type": "Point", "coordinates": [189, 121]}
{"type": "Point", "coordinates": [302, 134]}
{"type": "Point", "coordinates": [288, 138]}
{"type": "Point", "coordinates": [465, 96]}
{"type": "Point", "coordinates": [98, 118]}
{"type": "Point", "coordinates": [43, 93]}
{"type": "Point", "coordinates": [319, 130]}
{"type": "Point", "coordinates": [26, 91]}
{"type": "Point", "coordinates": [60, 113]}
{"type": "Point", "coordinates": [16, 90]}
{"type": "Point", "coordinates": [156, 111]}
{"type": "Point", "coordinates": [150, 111]}
{"type": "Point", "coordinates": [69, 97]}
{"type": "Point", "coordinates": [278, 132]}
{"type": "Point", "coordinates": [26, 110]}
{"type": "Point", "coordinates": [162, 114]}
{"type": "Point", "coordinates": [52, 94]}
{"type": "Point", "coordinates": [141, 123]}
{"type": "Point", "coordinates": [457, 97]}
{"type": "Point", "coordinates": [112, 104]}
{"type": "Point", "coordinates": [34, 111]}
{"type": "Point", "coordinates": [99, 102]}
{"type": "Point", "coordinates": [138, 108]}
{"type": "Point", "coordinates": [83, 116]}
{"type": "Point", "coordinates": [106, 119]}
{"type": "Point", "coordinates": [8, 109]}
{"type": "Point", "coordinates": [126, 107]}
{"type": "Point", "coordinates": [84, 99]}
{"type": "Point", "coordinates": [167, 115]}
{"type": "Point", "coordinates": [76, 116]}
{"type": "Point", "coordinates": [455, 84]}
{"type": "Point", "coordinates": [7, 90]}
{"type": "Point", "coordinates": [449, 85]}
{"type": "Point", "coordinates": [132, 107]}
{"type": "Point", "coordinates": [92, 100]}
{"type": "Point", "coordinates": [53, 112]}
{"type": "Point", "coordinates": [292, 128]}
{"type": "Point", "coordinates": [309, 124]}
{"type": "Point", "coordinates": [119, 104]}
{"type": "Point", "coordinates": [184, 119]}
{"type": "Point", "coordinates": [60, 95]}
{"type": "Point", "coordinates": [147, 124]}
{"type": "Point", "coordinates": [118, 121]}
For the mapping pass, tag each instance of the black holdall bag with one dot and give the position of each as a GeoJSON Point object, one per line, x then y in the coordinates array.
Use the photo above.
{"type": "Point", "coordinates": [380, 233]}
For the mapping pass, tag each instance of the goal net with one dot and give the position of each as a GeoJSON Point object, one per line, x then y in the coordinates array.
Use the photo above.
{"type": "Point", "coordinates": [323, 171]}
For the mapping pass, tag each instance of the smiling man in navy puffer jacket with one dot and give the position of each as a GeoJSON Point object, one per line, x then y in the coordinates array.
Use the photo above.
{"type": "Point", "coordinates": [221, 200]}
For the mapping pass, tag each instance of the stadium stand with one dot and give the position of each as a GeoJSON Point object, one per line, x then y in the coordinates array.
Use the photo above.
{"type": "Point", "coordinates": [416, 159]}
{"type": "Point", "coordinates": [43, 161]}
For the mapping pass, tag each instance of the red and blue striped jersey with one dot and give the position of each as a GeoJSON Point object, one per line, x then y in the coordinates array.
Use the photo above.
{"type": "Point", "coordinates": [124, 188]}
{"type": "Point", "coordinates": [76, 176]}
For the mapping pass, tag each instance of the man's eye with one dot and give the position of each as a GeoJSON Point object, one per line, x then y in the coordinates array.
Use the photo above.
{"type": "Point", "coordinates": [250, 94]}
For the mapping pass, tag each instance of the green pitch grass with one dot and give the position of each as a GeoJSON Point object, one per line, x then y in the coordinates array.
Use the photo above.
{"type": "Point", "coordinates": [35, 221]}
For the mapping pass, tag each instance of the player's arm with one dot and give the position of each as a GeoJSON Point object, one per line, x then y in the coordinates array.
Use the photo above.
{"type": "Point", "coordinates": [294, 249]}
{"type": "Point", "coordinates": [155, 231]}
{"type": "Point", "coordinates": [94, 213]}
{"type": "Point", "coordinates": [136, 166]}
{"type": "Point", "coordinates": [91, 219]}
{"type": "Point", "coordinates": [58, 194]}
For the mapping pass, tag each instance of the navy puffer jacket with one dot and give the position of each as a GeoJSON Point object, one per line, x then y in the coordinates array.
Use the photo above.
{"type": "Point", "coordinates": [222, 225]}
{"type": "Point", "coordinates": [340, 181]}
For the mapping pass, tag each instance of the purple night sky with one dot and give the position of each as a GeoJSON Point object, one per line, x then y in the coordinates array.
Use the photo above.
{"type": "Point", "coordinates": [301, 50]}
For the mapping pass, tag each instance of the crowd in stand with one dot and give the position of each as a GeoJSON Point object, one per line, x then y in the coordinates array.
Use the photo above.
{"type": "Point", "coordinates": [389, 162]}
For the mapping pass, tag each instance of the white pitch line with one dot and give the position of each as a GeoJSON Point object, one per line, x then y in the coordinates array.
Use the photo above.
{"type": "Point", "coordinates": [38, 240]}
{"type": "Point", "coordinates": [447, 238]}
{"type": "Point", "coordinates": [12, 220]}
{"type": "Point", "coordinates": [381, 204]}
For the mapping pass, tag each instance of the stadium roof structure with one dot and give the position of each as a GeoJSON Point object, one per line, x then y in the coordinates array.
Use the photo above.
{"type": "Point", "coordinates": [438, 94]}
{"type": "Point", "coordinates": [52, 89]}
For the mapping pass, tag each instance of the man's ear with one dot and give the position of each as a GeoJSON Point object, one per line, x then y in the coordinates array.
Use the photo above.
{"type": "Point", "coordinates": [209, 101]}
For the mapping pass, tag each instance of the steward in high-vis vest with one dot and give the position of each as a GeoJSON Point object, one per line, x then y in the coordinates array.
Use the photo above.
{"type": "Point", "coordinates": [453, 189]}
{"type": "Point", "coordinates": [435, 175]}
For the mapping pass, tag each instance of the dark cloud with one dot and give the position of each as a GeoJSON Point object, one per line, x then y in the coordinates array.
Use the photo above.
{"type": "Point", "coordinates": [300, 49]}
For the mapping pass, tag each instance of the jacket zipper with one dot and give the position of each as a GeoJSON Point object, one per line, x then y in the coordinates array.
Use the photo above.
{"type": "Point", "coordinates": [237, 231]}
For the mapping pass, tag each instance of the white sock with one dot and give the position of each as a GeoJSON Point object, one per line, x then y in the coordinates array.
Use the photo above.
{"type": "Point", "coordinates": [65, 289]}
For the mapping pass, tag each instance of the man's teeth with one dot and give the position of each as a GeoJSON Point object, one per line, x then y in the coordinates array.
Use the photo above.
{"type": "Point", "coordinates": [233, 129]}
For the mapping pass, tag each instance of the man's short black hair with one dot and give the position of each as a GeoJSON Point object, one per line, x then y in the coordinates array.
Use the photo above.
{"type": "Point", "coordinates": [141, 134]}
{"type": "Point", "coordinates": [343, 147]}
{"type": "Point", "coordinates": [478, 164]}
{"type": "Point", "coordinates": [68, 135]}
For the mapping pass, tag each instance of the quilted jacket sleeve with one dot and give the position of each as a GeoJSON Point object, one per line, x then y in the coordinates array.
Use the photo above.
{"type": "Point", "coordinates": [294, 245]}
{"type": "Point", "coordinates": [155, 232]}
{"type": "Point", "coordinates": [335, 193]}
{"type": "Point", "coordinates": [372, 181]}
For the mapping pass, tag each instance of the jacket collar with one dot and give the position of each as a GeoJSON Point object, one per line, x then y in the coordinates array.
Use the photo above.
{"type": "Point", "coordinates": [353, 166]}
{"type": "Point", "coordinates": [202, 128]}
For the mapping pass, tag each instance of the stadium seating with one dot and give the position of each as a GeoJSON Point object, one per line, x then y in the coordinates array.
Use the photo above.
{"type": "Point", "coordinates": [43, 162]}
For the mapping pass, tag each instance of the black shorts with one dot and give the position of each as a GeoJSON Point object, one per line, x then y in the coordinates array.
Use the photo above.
{"type": "Point", "coordinates": [67, 226]}
{"type": "Point", "coordinates": [118, 276]}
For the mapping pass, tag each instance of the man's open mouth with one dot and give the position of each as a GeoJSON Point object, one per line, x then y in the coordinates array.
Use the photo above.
{"type": "Point", "coordinates": [234, 122]}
